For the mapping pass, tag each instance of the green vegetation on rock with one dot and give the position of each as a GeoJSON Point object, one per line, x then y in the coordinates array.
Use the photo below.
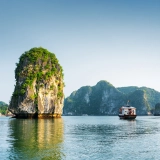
{"type": "Point", "coordinates": [40, 65]}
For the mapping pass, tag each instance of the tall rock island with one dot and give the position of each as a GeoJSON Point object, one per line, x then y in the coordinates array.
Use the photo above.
{"type": "Point", "coordinates": [39, 85]}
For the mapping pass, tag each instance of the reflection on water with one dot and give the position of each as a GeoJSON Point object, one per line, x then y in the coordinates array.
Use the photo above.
{"type": "Point", "coordinates": [80, 138]}
{"type": "Point", "coordinates": [36, 139]}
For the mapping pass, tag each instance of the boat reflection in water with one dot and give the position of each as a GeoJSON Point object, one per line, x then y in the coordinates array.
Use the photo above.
{"type": "Point", "coordinates": [36, 139]}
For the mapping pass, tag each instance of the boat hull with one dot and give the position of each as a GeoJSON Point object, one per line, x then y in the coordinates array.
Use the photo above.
{"type": "Point", "coordinates": [127, 116]}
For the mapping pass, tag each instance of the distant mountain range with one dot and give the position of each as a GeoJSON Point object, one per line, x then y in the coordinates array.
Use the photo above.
{"type": "Point", "coordinates": [105, 99]}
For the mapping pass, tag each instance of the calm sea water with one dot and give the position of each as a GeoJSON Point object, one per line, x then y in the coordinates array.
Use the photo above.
{"type": "Point", "coordinates": [80, 138]}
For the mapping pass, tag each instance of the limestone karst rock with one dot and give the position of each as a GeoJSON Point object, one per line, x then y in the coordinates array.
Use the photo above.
{"type": "Point", "coordinates": [39, 85]}
{"type": "Point", "coordinates": [105, 99]}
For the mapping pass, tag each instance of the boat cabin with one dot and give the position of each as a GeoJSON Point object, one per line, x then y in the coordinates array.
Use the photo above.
{"type": "Point", "coordinates": [127, 110]}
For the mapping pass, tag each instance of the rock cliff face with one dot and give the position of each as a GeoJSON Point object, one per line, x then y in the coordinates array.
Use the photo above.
{"type": "Point", "coordinates": [105, 99]}
{"type": "Point", "coordinates": [39, 85]}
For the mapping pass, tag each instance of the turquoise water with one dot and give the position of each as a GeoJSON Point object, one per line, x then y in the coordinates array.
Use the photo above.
{"type": "Point", "coordinates": [80, 138]}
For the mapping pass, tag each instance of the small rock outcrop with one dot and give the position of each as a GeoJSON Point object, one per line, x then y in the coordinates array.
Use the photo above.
{"type": "Point", "coordinates": [3, 108]}
{"type": "Point", "coordinates": [39, 85]}
{"type": "Point", "coordinates": [157, 109]}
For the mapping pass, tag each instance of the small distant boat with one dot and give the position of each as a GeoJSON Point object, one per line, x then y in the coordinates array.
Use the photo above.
{"type": "Point", "coordinates": [127, 112]}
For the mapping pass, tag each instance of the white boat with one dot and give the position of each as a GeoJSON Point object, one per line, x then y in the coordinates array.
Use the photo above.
{"type": "Point", "coordinates": [127, 112]}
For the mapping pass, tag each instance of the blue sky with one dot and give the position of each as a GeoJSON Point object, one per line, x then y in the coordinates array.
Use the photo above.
{"type": "Point", "coordinates": [113, 40]}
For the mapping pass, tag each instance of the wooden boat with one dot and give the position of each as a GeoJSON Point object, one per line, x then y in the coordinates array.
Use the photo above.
{"type": "Point", "coordinates": [127, 112]}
